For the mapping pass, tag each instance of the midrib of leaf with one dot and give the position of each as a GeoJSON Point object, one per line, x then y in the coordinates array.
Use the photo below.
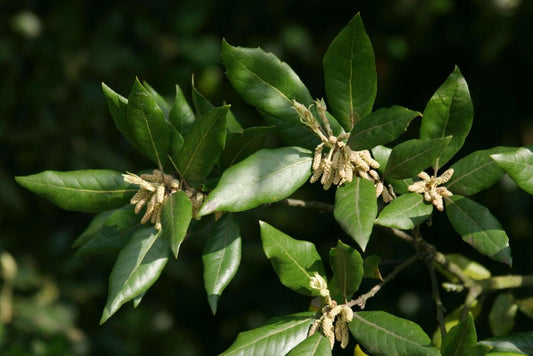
{"type": "Point", "coordinates": [448, 112]}
{"type": "Point", "coordinates": [352, 111]}
{"type": "Point", "coordinates": [378, 327]}
{"type": "Point", "coordinates": [141, 106]}
{"type": "Point", "coordinates": [357, 191]}
{"type": "Point", "coordinates": [315, 347]}
{"type": "Point", "coordinates": [261, 79]}
{"type": "Point", "coordinates": [293, 260]}
{"type": "Point", "coordinates": [408, 209]}
{"type": "Point", "coordinates": [278, 331]}
{"type": "Point", "coordinates": [197, 147]}
{"type": "Point", "coordinates": [468, 174]}
{"type": "Point", "coordinates": [473, 222]}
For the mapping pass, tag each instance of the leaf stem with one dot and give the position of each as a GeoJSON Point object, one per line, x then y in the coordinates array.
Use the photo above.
{"type": "Point", "coordinates": [307, 204]}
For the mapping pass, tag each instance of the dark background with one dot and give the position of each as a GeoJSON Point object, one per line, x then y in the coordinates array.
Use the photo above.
{"type": "Point", "coordinates": [54, 56]}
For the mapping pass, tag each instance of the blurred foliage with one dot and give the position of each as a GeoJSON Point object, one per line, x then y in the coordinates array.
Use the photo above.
{"type": "Point", "coordinates": [55, 54]}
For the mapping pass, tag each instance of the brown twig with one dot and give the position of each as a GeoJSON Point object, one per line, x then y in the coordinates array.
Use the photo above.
{"type": "Point", "coordinates": [307, 204]}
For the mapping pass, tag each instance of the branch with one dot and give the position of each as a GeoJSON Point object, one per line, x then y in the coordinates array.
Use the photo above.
{"type": "Point", "coordinates": [361, 300]}
{"type": "Point", "coordinates": [438, 301]}
{"type": "Point", "coordinates": [307, 204]}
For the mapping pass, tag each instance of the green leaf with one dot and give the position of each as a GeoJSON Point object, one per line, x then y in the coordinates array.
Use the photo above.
{"type": "Point", "coordinates": [462, 340]}
{"type": "Point", "coordinates": [502, 314]}
{"type": "Point", "coordinates": [479, 228]}
{"type": "Point", "coordinates": [381, 127]}
{"type": "Point", "coordinates": [240, 145]}
{"type": "Point", "coordinates": [476, 172]}
{"type": "Point", "coordinates": [356, 209]}
{"type": "Point", "coordinates": [371, 267]}
{"type": "Point", "coordinates": [276, 338]}
{"type": "Point", "coordinates": [315, 345]}
{"type": "Point", "coordinates": [163, 105]}
{"type": "Point", "coordinates": [384, 334]}
{"type": "Point", "coordinates": [175, 219]}
{"type": "Point", "coordinates": [270, 85]}
{"type": "Point", "coordinates": [203, 144]}
{"type": "Point", "coordinates": [181, 115]}
{"type": "Point", "coordinates": [381, 154]}
{"type": "Point", "coordinates": [449, 112]}
{"type": "Point", "coordinates": [347, 266]}
{"type": "Point", "coordinates": [350, 74]}
{"type": "Point", "coordinates": [517, 342]}
{"type": "Point", "coordinates": [138, 266]}
{"type": "Point", "coordinates": [526, 306]}
{"type": "Point", "coordinates": [519, 166]}
{"type": "Point", "coordinates": [118, 106]}
{"type": "Point", "coordinates": [411, 157]}
{"type": "Point", "coordinates": [148, 126]}
{"type": "Point", "coordinates": [176, 144]}
{"type": "Point", "coordinates": [88, 191]}
{"type": "Point", "coordinates": [108, 232]}
{"type": "Point", "coordinates": [471, 268]}
{"type": "Point", "coordinates": [405, 212]}
{"type": "Point", "coordinates": [221, 258]}
{"type": "Point", "coordinates": [266, 176]}
{"type": "Point", "coordinates": [295, 261]}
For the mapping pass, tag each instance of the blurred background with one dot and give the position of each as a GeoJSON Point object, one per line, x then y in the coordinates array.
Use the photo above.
{"type": "Point", "coordinates": [54, 56]}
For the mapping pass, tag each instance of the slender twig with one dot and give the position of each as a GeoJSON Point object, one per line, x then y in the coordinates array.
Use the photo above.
{"type": "Point", "coordinates": [307, 204]}
{"type": "Point", "coordinates": [361, 300]}
{"type": "Point", "coordinates": [438, 301]}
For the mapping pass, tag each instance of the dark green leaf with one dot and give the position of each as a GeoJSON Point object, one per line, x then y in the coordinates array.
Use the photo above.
{"type": "Point", "coordinates": [165, 107]}
{"type": "Point", "coordinates": [479, 228]}
{"type": "Point", "coordinates": [266, 176]}
{"type": "Point", "coordinates": [405, 212]}
{"type": "Point", "coordinates": [347, 266]}
{"type": "Point", "coordinates": [148, 126]}
{"type": "Point", "coordinates": [315, 345]}
{"type": "Point", "coordinates": [356, 209]}
{"type": "Point", "coordinates": [201, 104]}
{"type": "Point", "coordinates": [138, 266]}
{"type": "Point", "coordinates": [380, 127]}
{"type": "Point", "coordinates": [371, 267]}
{"type": "Point", "coordinates": [175, 219]}
{"type": "Point", "coordinates": [270, 85]}
{"type": "Point", "coordinates": [385, 334]}
{"type": "Point", "coordinates": [502, 314]}
{"type": "Point", "coordinates": [295, 261]}
{"type": "Point", "coordinates": [276, 338]}
{"type": "Point", "coordinates": [449, 112]}
{"type": "Point", "coordinates": [462, 340]}
{"type": "Point", "coordinates": [517, 342]}
{"type": "Point", "coordinates": [411, 157]}
{"type": "Point", "coordinates": [350, 74]}
{"type": "Point", "coordinates": [118, 106]}
{"type": "Point", "coordinates": [176, 144]}
{"type": "Point", "coordinates": [240, 145]}
{"type": "Point", "coordinates": [381, 154]}
{"type": "Point", "coordinates": [203, 144]}
{"type": "Point", "coordinates": [476, 172]}
{"type": "Point", "coordinates": [519, 166]}
{"type": "Point", "coordinates": [221, 258]}
{"type": "Point", "coordinates": [181, 115]}
{"type": "Point", "coordinates": [108, 232]}
{"type": "Point", "coordinates": [89, 191]}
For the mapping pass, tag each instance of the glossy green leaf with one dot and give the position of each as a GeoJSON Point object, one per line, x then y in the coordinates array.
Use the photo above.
{"type": "Point", "coordinates": [502, 314]}
{"type": "Point", "coordinates": [240, 145]}
{"type": "Point", "coordinates": [500, 353]}
{"type": "Point", "coordinates": [405, 212]}
{"type": "Point", "coordinates": [276, 338]}
{"type": "Point", "coordinates": [356, 209]}
{"type": "Point", "coordinates": [350, 74]}
{"type": "Point", "coordinates": [479, 228]}
{"type": "Point", "coordinates": [89, 191]}
{"type": "Point", "coordinates": [384, 334]}
{"type": "Point", "coordinates": [315, 345]}
{"type": "Point", "coordinates": [381, 127]}
{"type": "Point", "coordinates": [519, 166]}
{"type": "Point", "coordinates": [175, 219]}
{"type": "Point", "coordinates": [203, 144]}
{"type": "Point", "coordinates": [176, 144]}
{"type": "Point", "coordinates": [295, 261]}
{"type": "Point", "coordinates": [270, 85]}
{"type": "Point", "coordinates": [138, 299]}
{"type": "Point", "coordinates": [138, 266]}
{"type": "Point", "coordinates": [221, 258]}
{"type": "Point", "coordinates": [118, 106]}
{"type": "Point", "coordinates": [476, 172]}
{"type": "Point", "coordinates": [266, 176]}
{"type": "Point", "coordinates": [347, 266]}
{"type": "Point", "coordinates": [163, 104]}
{"type": "Point", "coordinates": [149, 128]}
{"type": "Point", "coordinates": [449, 112]}
{"type": "Point", "coordinates": [462, 340]}
{"type": "Point", "coordinates": [516, 342]}
{"type": "Point", "coordinates": [108, 232]}
{"type": "Point", "coordinates": [411, 157]}
{"type": "Point", "coordinates": [181, 115]}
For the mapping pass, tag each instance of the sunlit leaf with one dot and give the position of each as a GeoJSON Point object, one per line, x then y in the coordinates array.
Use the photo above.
{"type": "Point", "coordinates": [518, 342]}
{"type": "Point", "coordinates": [315, 345]}
{"type": "Point", "coordinates": [118, 106]}
{"type": "Point", "coordinates": [175, 218]}
{"type": "Point", "coordinates": [502, 314]}
{"type": "Point", "coordinates": [405, 212]}
{"type": "Point", "coordinates": [519, 166]}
